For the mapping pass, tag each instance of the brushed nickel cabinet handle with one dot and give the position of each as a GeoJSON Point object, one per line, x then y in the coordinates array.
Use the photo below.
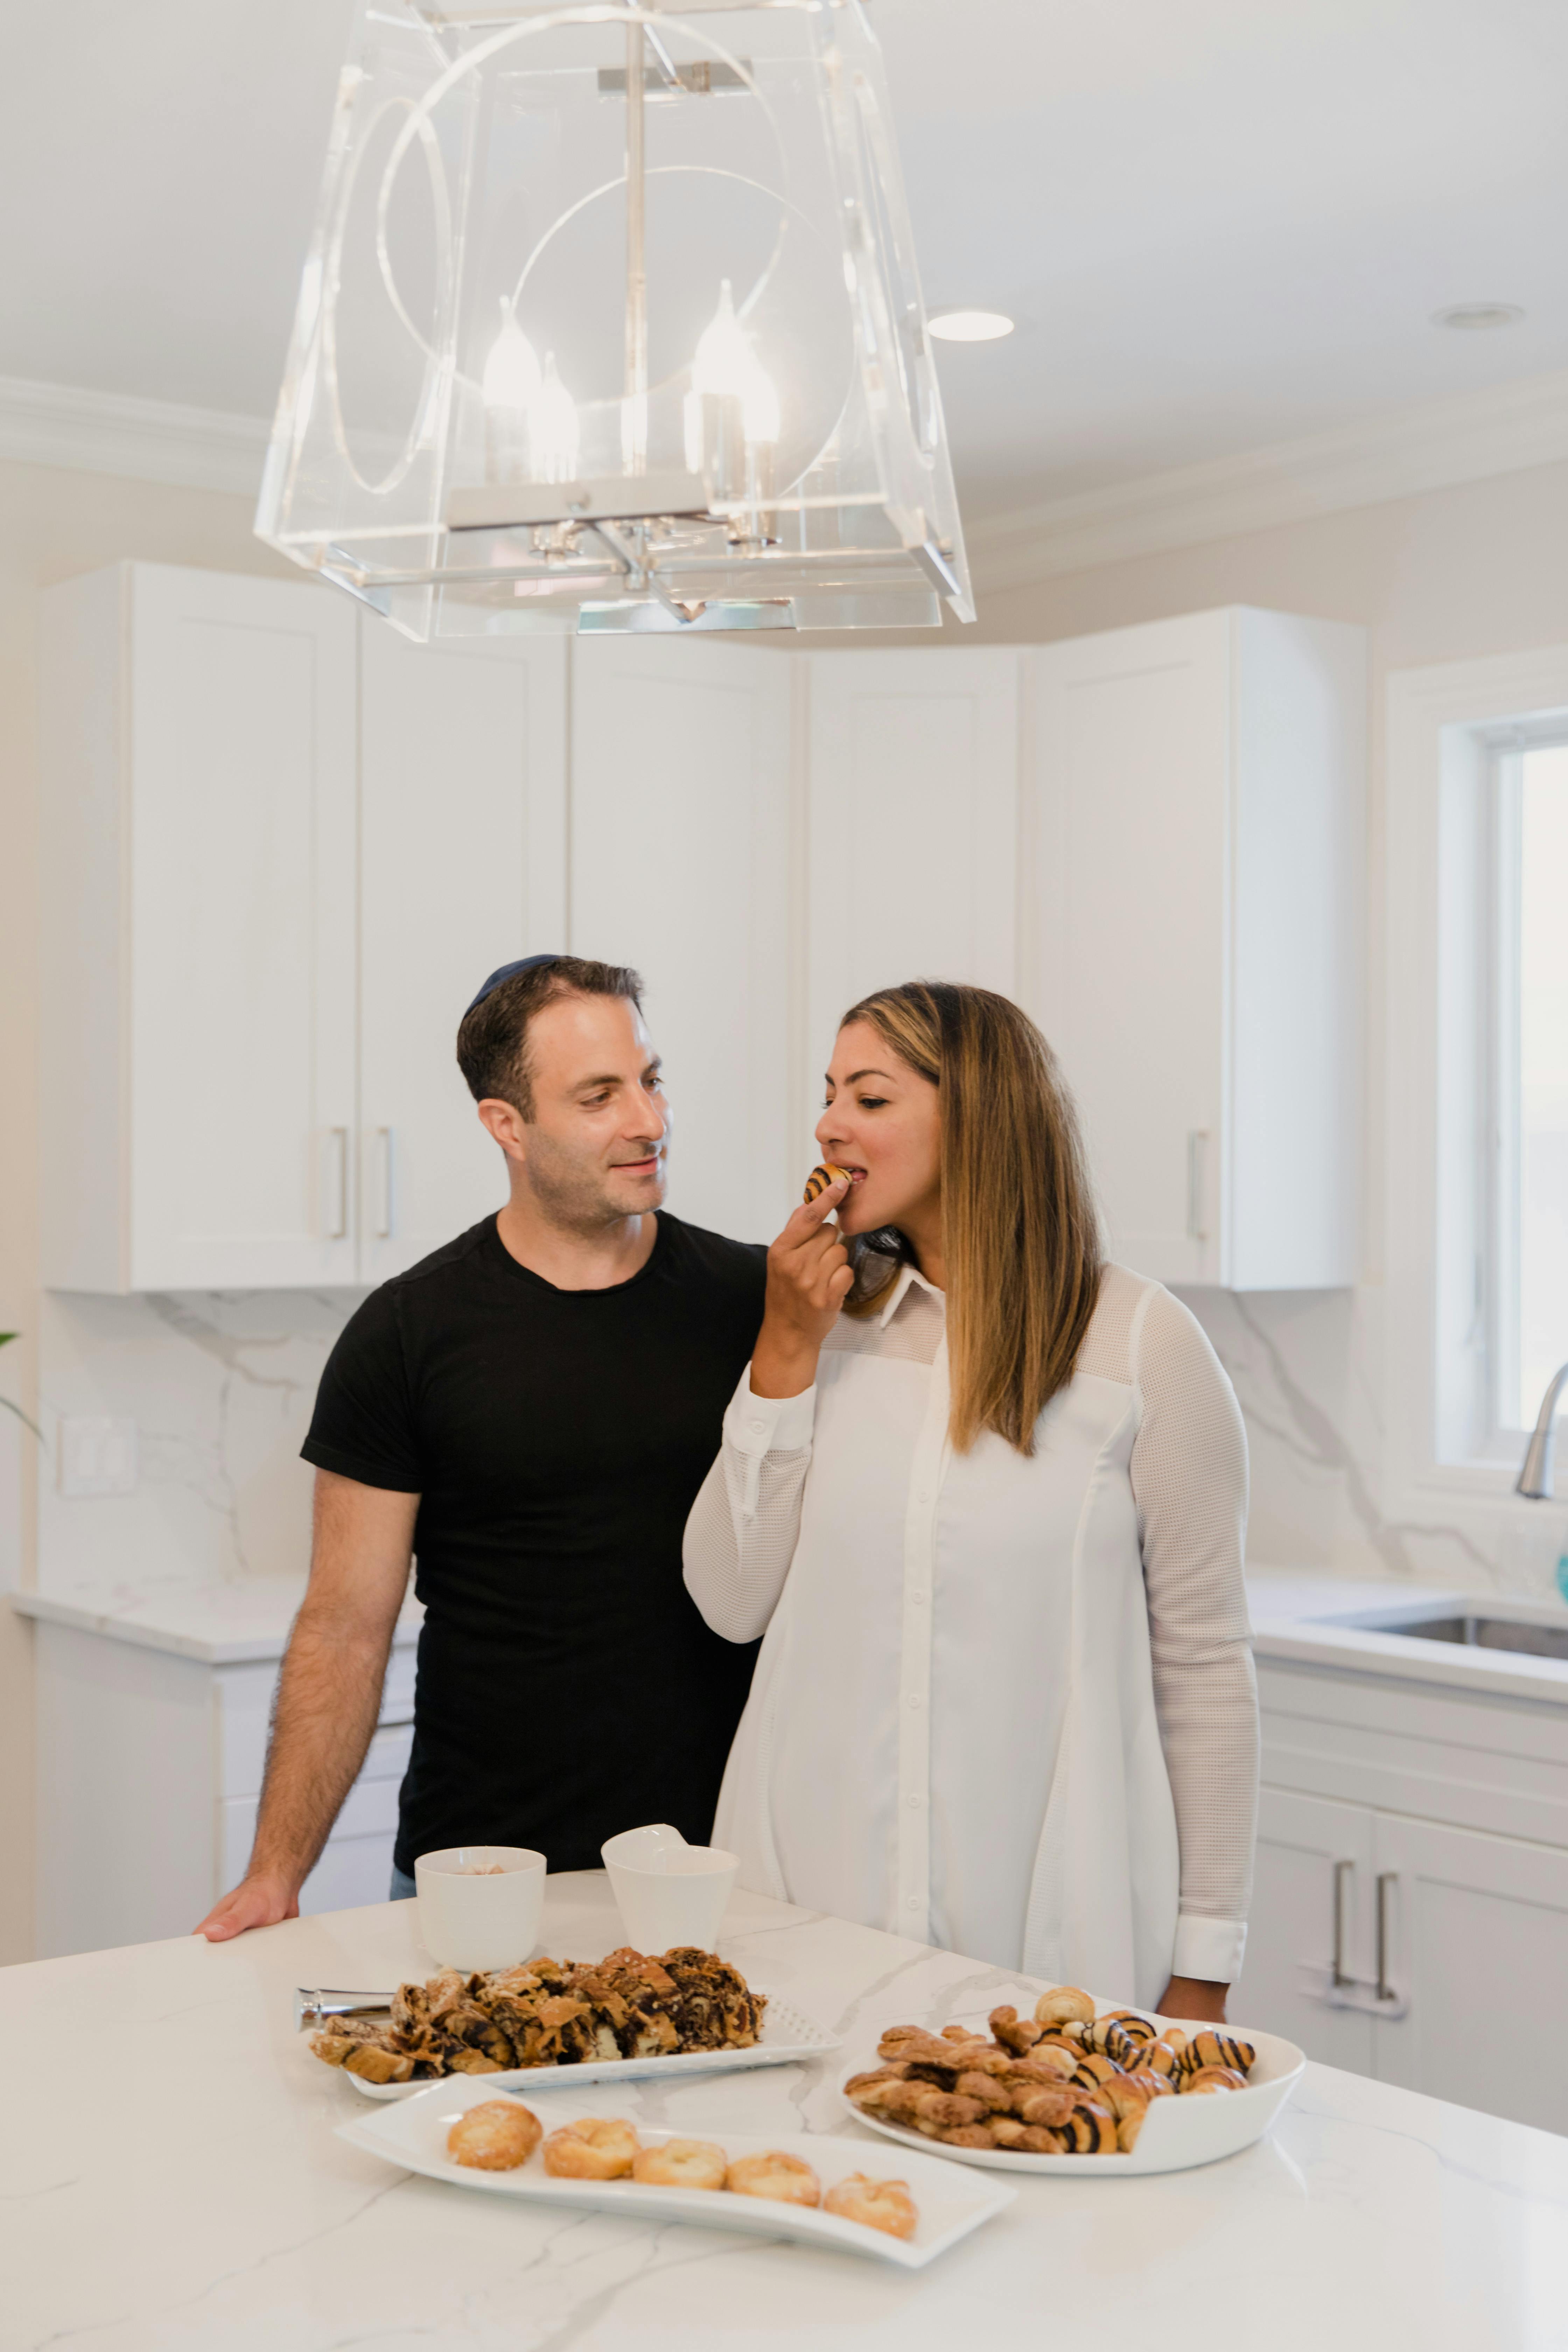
{"type": "Point", "coordinates": [1343, 1872]}
{"type": "Point", "coordinates": [1386, 1879]}
{"type": "Point", "coordinates": [1197, 1184]}
{"type": "Point", "coordinates": [339, 1139]}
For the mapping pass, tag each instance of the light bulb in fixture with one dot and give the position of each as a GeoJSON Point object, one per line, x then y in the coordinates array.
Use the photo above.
{"type": "Point", "coordinates": [970, 326]}
{"type": "Point", "coordinates": [726, 365]}
{"type": "Point", "coordinates": [511, 376]}
{"type": "Point", "coordinates": [552, 428]}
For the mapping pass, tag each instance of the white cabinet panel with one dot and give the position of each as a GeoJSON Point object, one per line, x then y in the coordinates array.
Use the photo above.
{"type": "Point", "coordinates": [1301, 1842]}
{"type": "Point", "coordinates": [914, 829]}
{"type": "Point", "coordinates": [1477, 1946]}
{"type": "Point", "coordinates": [352, 1871]}
{"type": "Point", "coordinates": [1197, 840]}
{"type": "Point", "coordinates": [198, 863]}
{"type": "Point", "coordinates": [462, 769]}
{"type": "Point", "coordinates": [680, 866]}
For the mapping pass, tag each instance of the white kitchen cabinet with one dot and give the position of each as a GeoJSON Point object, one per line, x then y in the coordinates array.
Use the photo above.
{"type": "Point", "coordinates": [913, 828]}
{"type": "Point", "coordinates": [1303, 1843]}
{"type": "Point", "coordinates": [150, 1765]}
{"type": "Point", "coordinates": [681, 867]}
{"type": "Point", "coordinates": [197, 945]}
{"type": "Point", "coordinates": [1444, 1915]}
{"type": "Point", "coordinates": [1197, 838]}
{"type": "Point", "coordinates": [462, 868]}
{"type": "Point", "coordinates": [1476, 1937]}
{"type": "Point", "coordinates": [281, 848]}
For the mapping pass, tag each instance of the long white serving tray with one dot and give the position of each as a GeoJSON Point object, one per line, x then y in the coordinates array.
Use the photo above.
{"type": "Point", "coordinates": [787, 2034]}
{"type": "Point", "coordinates": [1177, 2133]}
{"type": "Point", "coordinates": [413, 2136]}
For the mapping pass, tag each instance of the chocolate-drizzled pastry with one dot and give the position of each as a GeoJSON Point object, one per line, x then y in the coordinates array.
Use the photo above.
{"type": "Point", "coordinates": [821, 1177]}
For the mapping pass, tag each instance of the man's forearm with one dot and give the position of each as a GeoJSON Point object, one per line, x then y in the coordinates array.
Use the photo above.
{"type": "Point", "coordinates": [328, 1695]}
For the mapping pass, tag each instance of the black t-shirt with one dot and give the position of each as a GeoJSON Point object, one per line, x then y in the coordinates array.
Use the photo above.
{"type": "Point", "coordinates": [568, 1687]}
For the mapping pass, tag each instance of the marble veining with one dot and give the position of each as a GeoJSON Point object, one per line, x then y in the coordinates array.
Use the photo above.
{"type": "Point", "coordinates": [170, 2182]}
{"type": "Point", "coordinates": [1304, 1365]}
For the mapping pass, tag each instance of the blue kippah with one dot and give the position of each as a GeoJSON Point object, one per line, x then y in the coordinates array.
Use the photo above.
{"type": "Point", "coordinates": [510, 972]}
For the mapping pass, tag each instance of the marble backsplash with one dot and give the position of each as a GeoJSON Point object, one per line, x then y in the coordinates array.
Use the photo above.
{"type": "Point", "coordinates": [220, 1387]}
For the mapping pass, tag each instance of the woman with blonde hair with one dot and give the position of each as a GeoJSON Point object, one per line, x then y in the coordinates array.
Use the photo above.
{"type": "Point", "coordinates": [985, 1495]}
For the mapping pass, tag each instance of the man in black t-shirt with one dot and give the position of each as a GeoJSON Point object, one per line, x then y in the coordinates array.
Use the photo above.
{"type": "Point", "coordinates": [531, 1412]}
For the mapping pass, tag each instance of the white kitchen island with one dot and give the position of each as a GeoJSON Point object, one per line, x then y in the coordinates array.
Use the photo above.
{"type": "Point", "coordinates": [169, 2179]}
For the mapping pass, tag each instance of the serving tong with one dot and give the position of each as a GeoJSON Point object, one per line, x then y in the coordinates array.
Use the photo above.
{"type": "Point", "coordinates": [314, 2004]}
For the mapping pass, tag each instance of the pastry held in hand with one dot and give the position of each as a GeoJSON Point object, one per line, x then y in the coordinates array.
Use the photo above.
{"type": "Point", "coordinates": [821, 1177]}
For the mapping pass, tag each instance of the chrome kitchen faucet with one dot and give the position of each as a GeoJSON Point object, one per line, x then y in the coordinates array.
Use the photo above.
{"type": "Point", "coordinates": [1535, 1477]}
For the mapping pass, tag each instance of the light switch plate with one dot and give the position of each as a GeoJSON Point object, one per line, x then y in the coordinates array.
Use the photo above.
{"type": "Point", "coordinates": [97, 1456]}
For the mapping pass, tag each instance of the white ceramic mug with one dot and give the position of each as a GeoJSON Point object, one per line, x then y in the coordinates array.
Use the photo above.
{"type": "Point", "coordinates": [668, 1891]}
{"type": "Point", "coordinates": [480, 1905]}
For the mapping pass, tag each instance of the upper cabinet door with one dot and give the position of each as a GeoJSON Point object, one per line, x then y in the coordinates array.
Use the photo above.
{"type": "Point", "coordinates": [462, 868]}
{"type": "Point", "coordinates": [914, 829]}
{"type": "Point", "coordinates": [1197, 839]}
{"type": "Point", "coordinates": [199, 878]}
{"type": "Point", "coordinates": [681, 867]}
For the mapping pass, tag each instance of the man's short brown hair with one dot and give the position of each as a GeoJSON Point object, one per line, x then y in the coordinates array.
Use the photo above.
{"type": "Point", "coordinates": [492, 1040]}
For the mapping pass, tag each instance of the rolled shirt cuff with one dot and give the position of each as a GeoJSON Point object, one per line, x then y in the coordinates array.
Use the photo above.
{"type": "Point", "coordinates": [1210, 1949]}
{"type": "Point", "coordinates": [759, 1425]}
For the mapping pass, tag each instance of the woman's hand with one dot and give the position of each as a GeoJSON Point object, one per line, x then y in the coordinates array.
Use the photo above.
{"type": "Point", "coordinates": [1194, 1996]}
{"type": "Point", "coordinates": [809, 1278]}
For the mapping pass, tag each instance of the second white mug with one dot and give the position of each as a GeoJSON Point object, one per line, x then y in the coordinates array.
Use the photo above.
{"type": "Point", "coordinates": [668, 1892]}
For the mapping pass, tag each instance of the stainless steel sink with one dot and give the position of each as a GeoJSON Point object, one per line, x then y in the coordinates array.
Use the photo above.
{"type": "Point", "coordinates": [1476, 1633]}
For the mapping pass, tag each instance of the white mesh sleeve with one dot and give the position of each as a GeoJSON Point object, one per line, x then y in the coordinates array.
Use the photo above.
{"type": "Point", "coordinates": [741, 1530]}
{"type": "Point", "coordinates": [1189, 1480]}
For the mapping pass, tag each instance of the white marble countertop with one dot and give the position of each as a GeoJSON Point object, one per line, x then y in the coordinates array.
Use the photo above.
{"type": "Point", "coordinates": [1290, 1613]}
{"type": "Point", "coordinates": [170, 2182]}
{"type": "Point", "coordinates": [226, 1625]}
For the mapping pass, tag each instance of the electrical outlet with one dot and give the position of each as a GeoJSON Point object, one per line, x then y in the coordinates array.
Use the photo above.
{"type": "Point", "coordinates": [97, 1456]}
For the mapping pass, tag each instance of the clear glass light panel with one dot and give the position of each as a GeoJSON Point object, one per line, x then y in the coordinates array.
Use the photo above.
{"type": "Point", "coordinates": [611, 320]}
{"type": "Point", "coordinates": [1542, 1153]}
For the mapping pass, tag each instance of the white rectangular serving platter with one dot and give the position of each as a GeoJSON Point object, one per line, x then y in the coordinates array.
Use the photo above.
{"type": "Point", "coordinates": [787, 2034]}
{"type": "Point", "coordinates": [1177, 2133]}
{"type": "Point", "coordinates": [413, 2136]}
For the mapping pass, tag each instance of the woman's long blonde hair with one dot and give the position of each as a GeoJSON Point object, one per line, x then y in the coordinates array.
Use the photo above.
{"type": "Point", "coordinates": [1018, 1225]}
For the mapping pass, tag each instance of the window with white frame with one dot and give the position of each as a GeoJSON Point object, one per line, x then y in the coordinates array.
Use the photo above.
{"type": "Point", "coordinates": [1471, 1094]}
{"type": "Point", "coordinates": [1525, 1256]}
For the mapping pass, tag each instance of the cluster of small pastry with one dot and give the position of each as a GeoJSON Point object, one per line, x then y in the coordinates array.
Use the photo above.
{"type": "Point", "coordinates": [500, 2135]}
{"type": "Point", "coordinates": [550, 2013]}
{"type": "Point", "coordinates": [1062, 2082]}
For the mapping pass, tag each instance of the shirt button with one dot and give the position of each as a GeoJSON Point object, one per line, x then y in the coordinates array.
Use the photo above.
{"type": "Point", "coordinates": [913, 1904]}
{"type": "Point", "coordinates": [915, 1803]}
{"type": "Point", "coordinates": [918, 1598]}
{"type": "Point", "coordinates": [924, 1495]}
{"type": "Point", "coordinates": [759, 1426]}
{"type": "Point", "coordinates": [914, 1699]}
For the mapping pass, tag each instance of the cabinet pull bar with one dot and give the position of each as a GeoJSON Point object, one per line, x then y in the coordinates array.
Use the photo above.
{"type": "Point", "coordinates": [1197, 1170]}
{"type": "Point", "coordinates": [1386, 1879]}
{"type": "Point", "coordinates": [1337, 1976]}
{"type": "Point", "coordinates": [383, 1184]}
{"type": "Point", "coordinates": [337, 1230]}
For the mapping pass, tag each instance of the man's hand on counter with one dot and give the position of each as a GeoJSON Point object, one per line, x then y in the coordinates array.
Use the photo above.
{"type": "Point", "coordinates": [1194, 1996]}
{"type": "Point", "coordinates": [255, 1902]}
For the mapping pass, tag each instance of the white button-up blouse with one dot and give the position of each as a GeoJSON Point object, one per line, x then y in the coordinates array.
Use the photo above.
{"type": "Point", "coordinates": [1003, 1704]}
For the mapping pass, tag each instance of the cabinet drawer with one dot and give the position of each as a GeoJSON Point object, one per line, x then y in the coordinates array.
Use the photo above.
{"type": "Point", "coordinates": [370, 1810]}
{"type": "Point", "coordinates": [244, 1701]}
{"type": "Point", "coordinates": [353, 1871]}
{"type": "Point", "coordinates": [387, 1759]}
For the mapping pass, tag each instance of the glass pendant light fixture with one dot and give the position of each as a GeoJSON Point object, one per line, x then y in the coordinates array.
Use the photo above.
{"type": "Point", "coordinates": [611, 320]}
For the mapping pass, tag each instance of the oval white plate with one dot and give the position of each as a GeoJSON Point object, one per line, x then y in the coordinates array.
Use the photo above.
{"type": "Point", "coordinates": [1177, 2133]}
{"type": "Point", "coordinates": [787, 2034]}
{"type": "Point", "coordinates": [414, 2137]}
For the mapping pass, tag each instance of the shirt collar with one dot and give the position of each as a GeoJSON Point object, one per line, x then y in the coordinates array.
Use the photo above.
{"type": "Point", "coordinates": [899, 1291]}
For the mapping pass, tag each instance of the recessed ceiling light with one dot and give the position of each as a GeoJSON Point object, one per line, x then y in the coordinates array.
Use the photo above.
{"type": "Point", "coordinates": [970, 326]}
{"type": "Point", "coordinates": [1471, 316]}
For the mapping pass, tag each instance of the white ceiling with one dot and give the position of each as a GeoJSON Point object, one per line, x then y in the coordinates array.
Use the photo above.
{"type": "Point", "coordinates": [1221, 224]}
